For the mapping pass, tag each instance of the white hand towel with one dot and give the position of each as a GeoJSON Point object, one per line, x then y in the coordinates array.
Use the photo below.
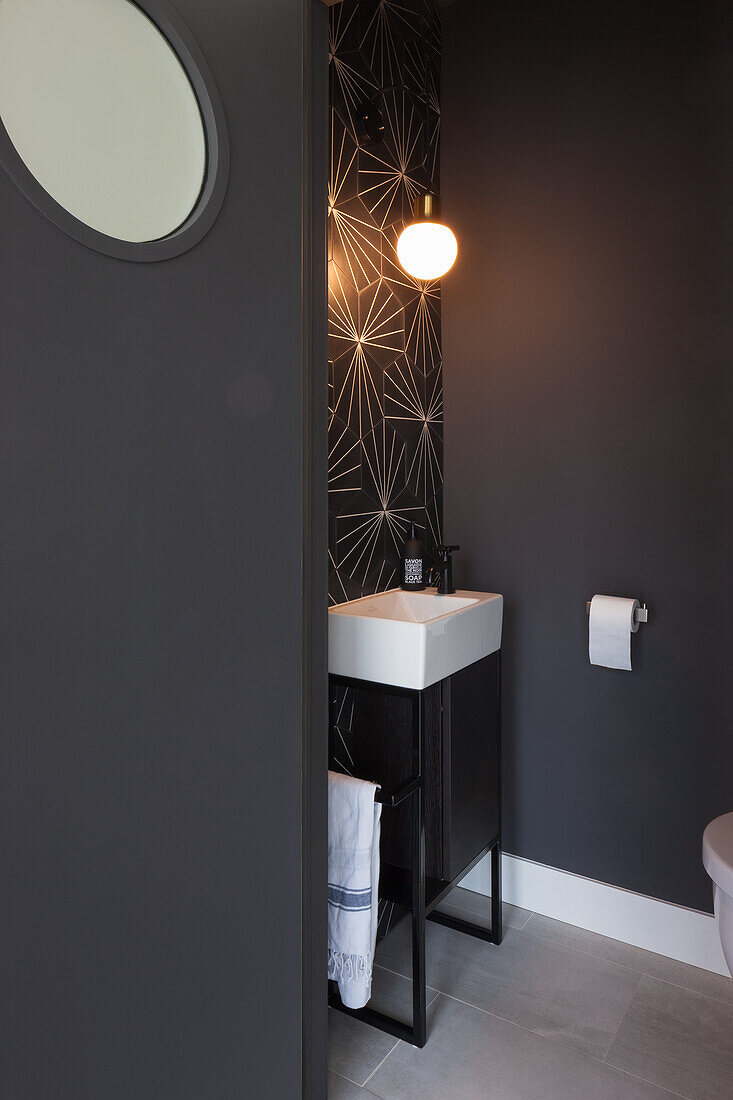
{"type": "Point", "coordinates": [353, 885]}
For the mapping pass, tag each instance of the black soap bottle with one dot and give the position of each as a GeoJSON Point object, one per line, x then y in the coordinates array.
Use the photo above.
{"type": "Point", "coordinates": [413, 563]}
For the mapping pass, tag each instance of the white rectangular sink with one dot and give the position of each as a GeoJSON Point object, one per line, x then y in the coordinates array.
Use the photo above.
{"type": "Point", "coordinates": [412, 639]}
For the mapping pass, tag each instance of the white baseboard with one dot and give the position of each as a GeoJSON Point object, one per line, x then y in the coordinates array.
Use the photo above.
{"type": "Point", "coordinates": [671, 930]}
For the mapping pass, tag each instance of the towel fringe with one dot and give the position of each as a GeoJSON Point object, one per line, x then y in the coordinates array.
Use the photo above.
{"type": "Point", "coordinates": [348, 968]}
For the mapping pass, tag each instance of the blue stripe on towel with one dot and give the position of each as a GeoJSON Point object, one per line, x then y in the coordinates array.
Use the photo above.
{"type": "Point", "coordinates": [355, 901]}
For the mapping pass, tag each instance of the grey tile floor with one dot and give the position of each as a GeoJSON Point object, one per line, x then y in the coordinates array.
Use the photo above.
{"type": "Point", "coordinates": [555, 1013]}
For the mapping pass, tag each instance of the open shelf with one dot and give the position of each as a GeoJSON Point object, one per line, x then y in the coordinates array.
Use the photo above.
{"type": "Point", "coordinates": [395, 883]}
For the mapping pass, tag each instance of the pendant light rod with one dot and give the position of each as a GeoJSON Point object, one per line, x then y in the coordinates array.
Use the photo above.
{"type": "Point", "coordinates": [426, 248]}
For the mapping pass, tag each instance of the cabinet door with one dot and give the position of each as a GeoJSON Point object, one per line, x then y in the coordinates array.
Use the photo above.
{"type": "Point", "coordinates": [470, 763]}
{"type": "Point", "coordinates": [371, 736]}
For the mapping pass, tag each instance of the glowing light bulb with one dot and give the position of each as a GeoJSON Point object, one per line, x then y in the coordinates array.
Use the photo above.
{"type": "Point", "coordinates": [426, 248]}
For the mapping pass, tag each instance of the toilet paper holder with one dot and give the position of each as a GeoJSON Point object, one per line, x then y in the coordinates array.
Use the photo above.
{"type": "Point", "coordinates": [641, 615]}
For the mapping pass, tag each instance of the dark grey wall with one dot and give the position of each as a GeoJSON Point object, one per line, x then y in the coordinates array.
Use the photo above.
{"type": "Point", "coordinates": [151, 650]}
{"type": "Point", "coordinates": [587, 170]}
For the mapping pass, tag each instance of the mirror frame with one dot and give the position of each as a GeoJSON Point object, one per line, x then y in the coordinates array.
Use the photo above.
{"type": "Point", "coordinates": [168, 23]}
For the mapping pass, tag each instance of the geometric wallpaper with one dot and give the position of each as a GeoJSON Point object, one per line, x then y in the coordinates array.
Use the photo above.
{"type": "Point", "coordinates": [385, 435]}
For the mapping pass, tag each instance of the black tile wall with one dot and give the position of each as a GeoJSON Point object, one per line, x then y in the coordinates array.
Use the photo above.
{"type": "Point", "coordinates": [385, 367]}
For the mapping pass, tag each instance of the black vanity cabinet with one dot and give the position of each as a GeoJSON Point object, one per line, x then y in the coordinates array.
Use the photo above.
{"type": "Point", "coordinates": [436, 754]}
{"type": "Point", "coordinates": [470, 764]}
{"type": "Point", "coordinates": [460, 765]}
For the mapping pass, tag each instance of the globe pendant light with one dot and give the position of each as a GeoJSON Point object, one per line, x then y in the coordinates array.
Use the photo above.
{"type": "Point", "coordinates": [426, 248]}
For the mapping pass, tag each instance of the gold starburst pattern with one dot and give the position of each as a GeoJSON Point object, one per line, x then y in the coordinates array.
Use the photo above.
{"type": "Point", "coordinates": [385, 411]}
{"type": "Point", "coordinates": [392, 175]}
{"type": "Point", "coordinates": [414, 407]}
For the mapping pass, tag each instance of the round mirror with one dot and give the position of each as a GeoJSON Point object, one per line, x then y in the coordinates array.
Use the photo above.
{"type": "Point", "coordinates": [102, 113]}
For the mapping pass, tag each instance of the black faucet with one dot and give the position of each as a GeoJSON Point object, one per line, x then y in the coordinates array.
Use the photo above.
{"type": "Point", "coordinates": [441, 575]}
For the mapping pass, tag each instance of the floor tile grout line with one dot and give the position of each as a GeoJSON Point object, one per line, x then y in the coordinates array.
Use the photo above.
{"type": "Point", "coordinates": [343, 1076]}
{"type": "Point", "coordinates": [686, 989]}
{"type": "Point", "coordinates": [617, 1069]}
{"type": "Point", "coordinates": [623, 1017]}
{"type": "Point", "coordinates": [506, 1020]}
{"type": "Point", "coordinates": [587, 954]}
{"type": "Point", "coordinates": [408, 978]}
{"type": "Point", "coordinates": [646, 1081]}
{"type": "Point", "coordinates": [523, 1027]}
{"type": "Point", "coordinates": [574, 1050]}
{"type": "Point", "coordinates": [520, 1027]}
{"type": "Point", "coordinates": [496, 1016]}
{"type": "Point", "coordinates": [391, 1051]}
{"type": "Point", "coordinates": [469, 1004]}
{"type": "Point", "coordinates": [626, 966]}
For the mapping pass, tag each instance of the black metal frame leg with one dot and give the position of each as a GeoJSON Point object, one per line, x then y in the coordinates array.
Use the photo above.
{"type": "Point", "coordinates": [489, 935]}
{"type": "Point", "coordinates": [419, 978]}
{"type": "Point", "coordinates": [497, 922]}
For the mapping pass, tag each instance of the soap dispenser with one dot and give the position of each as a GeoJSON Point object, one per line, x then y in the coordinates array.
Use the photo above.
{"type": "Point", "coordinates": [413, 563]}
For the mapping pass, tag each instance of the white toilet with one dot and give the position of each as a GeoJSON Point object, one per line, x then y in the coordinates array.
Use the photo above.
{"type": "Point", "coordinates": [717, 857]}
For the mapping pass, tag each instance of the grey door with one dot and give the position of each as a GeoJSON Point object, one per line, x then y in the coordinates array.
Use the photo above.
{"type": "Point", "coordinates": [151, 591]}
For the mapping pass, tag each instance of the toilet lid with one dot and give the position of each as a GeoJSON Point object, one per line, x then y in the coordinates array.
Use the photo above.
{"type": "Point", "coordinates": [717, 852]}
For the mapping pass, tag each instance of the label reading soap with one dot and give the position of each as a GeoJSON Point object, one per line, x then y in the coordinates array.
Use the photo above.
{"type": "Point", "coordinates": [413, 570]}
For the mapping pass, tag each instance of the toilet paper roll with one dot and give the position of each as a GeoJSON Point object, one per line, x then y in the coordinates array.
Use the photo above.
{"type": "Point", "coordinates": [610, 627]}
